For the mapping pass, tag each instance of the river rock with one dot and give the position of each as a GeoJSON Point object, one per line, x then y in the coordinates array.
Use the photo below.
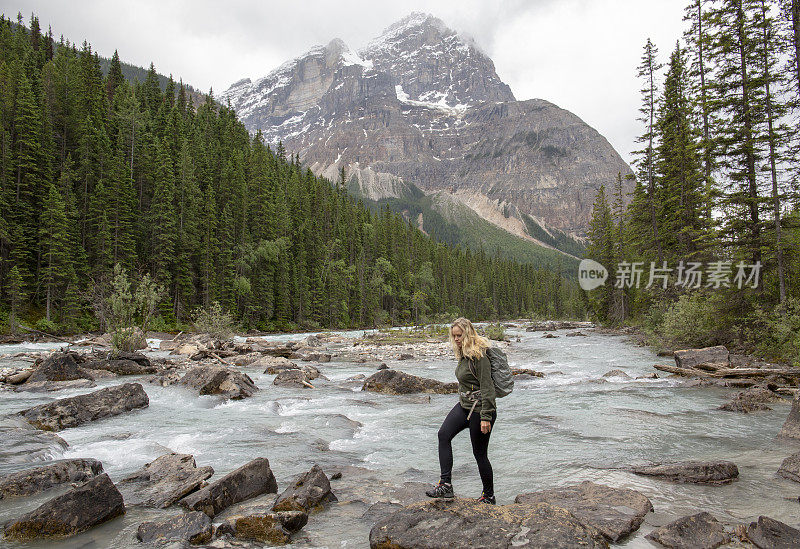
{"type": "Point", "coordinates": [769, 533]}
{"type": "Point", "coordinates": [615, 512]}
{"type": "Point", "coordinates": [124, 364]}
{"type": "Point", "coordinates": [311, 372]}
{"type": "Point", "coordinates": [249, 480]}
{"type": "Point", "coordinates": [692, 472]}
{"type": "Point", "coordinates": [790, 468]}
{"type": "Point", "coordinates": [77, 410]}
{"type": "Point", "coordinates": [576, 334]}
{"type": "Point", "coordinates": [292, 378]}
{"type": "Point", "coordinates": [526, 372]}
{"type": "Point", "coordinates": [617, 373]}
{"type": "Point", "coordinates": [274, 362]}
{"type": "Point", "coordinates": [791, 427]}
{"type": "Point", "coordinates": [700, 531]}
{"type": "Point", "coordinates": [690, 358]}
{"type": "Point", "coordinates": [309, 491]}
{"type": "Point", "coordinates": [81, 508]}
{"type": "Point", "coordinates": [194, 527]}
{"type": "Point", "coordinates": [273, 528]}
{"type": "Point", "coordinates": [394, 382]}
{"type": "Point", "coordinates": [186, 349]}
{"type": "Point", "coordinates": [469, 523]}
{"type": "Point", "coordinates": [549, 336]}
{"type": "Point", "coordinates": [317, 357]}
{"type": "Point", "coordinates": [38, 479]}
{"type": "Point", "coordinates": [751, 400]}
{"type": "Point", "coordinates": [59, 367]}
{"type": "Point", "coordinates": [218, 380]}
{"type": "Point", "coordinates": [164, 481]}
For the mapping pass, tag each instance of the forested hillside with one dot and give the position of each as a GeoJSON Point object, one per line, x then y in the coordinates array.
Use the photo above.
{"type": "Point", "coordinates": [716, 208]}
{"type": "Point", "coordinates": [96, 170]}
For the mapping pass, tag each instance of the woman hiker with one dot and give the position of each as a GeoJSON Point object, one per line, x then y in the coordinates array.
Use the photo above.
{"type": "Point", "coordinates": [475, 410]}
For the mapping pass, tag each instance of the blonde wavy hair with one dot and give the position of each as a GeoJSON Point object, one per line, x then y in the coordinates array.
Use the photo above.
{"type": "Point", "coordinates": [472, 345]}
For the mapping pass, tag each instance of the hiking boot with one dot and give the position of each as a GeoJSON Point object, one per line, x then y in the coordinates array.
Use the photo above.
{"type": "Point", "coordinates": [487, 499]}
{"type": "Point", "coordinates": [441, 490]}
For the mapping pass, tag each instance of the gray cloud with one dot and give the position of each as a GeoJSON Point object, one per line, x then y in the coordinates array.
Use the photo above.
{"type": "Point", "coordinates": [579, 54]}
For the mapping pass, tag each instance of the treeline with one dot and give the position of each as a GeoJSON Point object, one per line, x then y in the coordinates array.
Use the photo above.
{"type": "Point", "coordinates": [716, 186]}
{"type": "Point", "coordinates": [97, 171]}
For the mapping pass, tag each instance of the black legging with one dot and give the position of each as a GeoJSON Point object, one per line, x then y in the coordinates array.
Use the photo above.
{"type": "Point", "coordinates": [454, 423]}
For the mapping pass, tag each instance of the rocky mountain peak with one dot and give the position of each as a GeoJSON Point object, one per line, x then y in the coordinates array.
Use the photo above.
{"type": "Point", "coordinates": [434, 64]}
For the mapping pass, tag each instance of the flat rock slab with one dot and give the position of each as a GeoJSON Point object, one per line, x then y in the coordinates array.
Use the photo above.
{"type": "Point", "coordinates": [249, 480]}
{"type": "Point", "coordinates": [292, 378]}
{"type": "Point", "coordinates": [459, 522]}
{"type": "Point", "coordinates": [615, 512]}
{"type": "Point", "coordinates": [77, 410]}
{"type": "Point", "coordinates": [123, 366]}
{"type": "Point", "coordinates": [23, 443]}
{"type": "Point", "coordinates": [218, 380]}
{"type": "Point", "coordinates": [790, 468]}
{"type": "Point", "coordinates": [690, 358]}
{"type": "Point", "coordinates": [273, 528]}
{"type": "Point", "coordinates": [700, 531]}
{"type": "Point", "coordinates": [51, 386]}
{"type": "Point", "coordinates": [791, 427]}
{"type": "Point", "coordinates": [692, 472]}
{"type": "Point", "coordinates": [78, 510]}
{"type": "Point", "coordinates": [752, 400]}
{"type": "Point", "coordinates": [194, 527]}
{"type": "Point", "coordinates": [38, 479]}
{"type": "Point", "coordinates": [309, 491]}
{"type": "Point", "coordinates": [164, 481]}
{"type": "Point", "coordinates": [394, 382]}
{"type": "Point", "coordinates": [769, 533]}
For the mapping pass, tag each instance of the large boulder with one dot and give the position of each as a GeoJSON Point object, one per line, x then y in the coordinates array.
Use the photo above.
{"type": "Point", "coordinates": [751, 400]}
{"type": "Point", "coordinates": [77, 410]}
{"type": "Point", "coordinates": [700, 531]}
{"type": "Point", "coordinates": [38, 479]}
{"type": "Point", "coordinates": [791, 427]}
{"type": "Point", "coordinates": [468, 523]}
{"type": "Point", "coordinates": [272, 528]}
{"type": "Point", "coordinates": [309, 491]}
{"type": "Point", "coordinates": [691, 358]}
{"type": "Point", "coordinates": [790, 468]}
{"type": "Point", "coordinates": [394, 382]}
{"type": "Point", "coordinates": [249, 480]}
{"type": "Point", "coordinates": [769, 533]}
{"type": "Point", "coordinates": [164, 481]}
{"type": "Point", "coordinates": [692, 472]}
{"type": "Point", "coordinates": [59, 367]}
{"type": "Point", "coordinates": [194, 527]}
{"type": "Point", "coordinates": [218, 380]}
{"type": "Point", "coordinates": [615, 512]}
{"type": "Point", "coordinates": [78, 510]}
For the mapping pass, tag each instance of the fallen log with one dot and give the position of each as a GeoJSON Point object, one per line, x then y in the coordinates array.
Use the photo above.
{"type": "Point", "coordinates": [789, 372]}
{"type": "Point", "coordinates": [688, 372]}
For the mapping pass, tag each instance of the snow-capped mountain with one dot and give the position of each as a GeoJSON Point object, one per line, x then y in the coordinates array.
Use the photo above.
{"type": "Point", "coordinates": [422, 105]}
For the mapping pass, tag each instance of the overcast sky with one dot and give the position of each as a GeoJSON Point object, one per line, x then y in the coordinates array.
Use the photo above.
{"type": "Point", "coordinates": [579, 54]}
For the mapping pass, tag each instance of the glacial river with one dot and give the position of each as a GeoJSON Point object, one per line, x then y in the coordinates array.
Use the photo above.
{"type": "Point", "coordinates": [569, 426]}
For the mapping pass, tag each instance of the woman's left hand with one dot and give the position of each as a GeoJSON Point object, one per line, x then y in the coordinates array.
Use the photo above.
{"type": "Point", "coordinates": [486, 426]}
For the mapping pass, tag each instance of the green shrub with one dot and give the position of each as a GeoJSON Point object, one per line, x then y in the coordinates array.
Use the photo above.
{"type": "Point", "coordinates": [214, 321]}
{"type": "Point", "coordinates": [46, 326]}
{"type": "Point", "coordinates": [495, 331]}
{"type": "Point", "coordinates": [775, 334]}
{"type": "Point", "coordinates": [693, 320]}
{"type": "Point", "coordinates": [131, 310]}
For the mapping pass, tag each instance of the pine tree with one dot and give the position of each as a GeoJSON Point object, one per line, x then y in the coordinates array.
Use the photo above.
{"type": "Point", "coordinates": [645, 162]}
{"type": "Point", "coordinates": [601, 248]}
{"type": "Point", "coordinates": [54, 243]}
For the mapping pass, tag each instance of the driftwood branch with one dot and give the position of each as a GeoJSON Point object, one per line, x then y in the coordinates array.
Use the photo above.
{"type": "Point", "coordinates": [217, 357]}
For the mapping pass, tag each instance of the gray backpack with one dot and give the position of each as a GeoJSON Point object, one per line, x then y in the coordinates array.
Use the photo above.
{"type": "Point", "coordinates": [501, 373]}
